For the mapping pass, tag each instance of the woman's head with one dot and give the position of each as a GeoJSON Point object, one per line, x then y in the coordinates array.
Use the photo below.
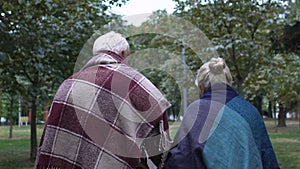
{"type": "Point", "coordinates": [213, 72]}
{"type": "Point", "coordinates": [112, 41]}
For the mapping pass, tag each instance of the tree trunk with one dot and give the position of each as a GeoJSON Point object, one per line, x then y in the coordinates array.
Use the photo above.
{"type": "Point", "coordinates": [33, 133]}
{"type": "Point", "coordinates": [281, 116]}
{"type": "Point", "coordinates": [11, 121]}
{"type": "Point", "coordinates": [298, 110]}
{"type": "Point", "coordinates": [10, 128]}
{"type": "Point", "coordinates": [239, 87]}
{"type": "Point", "coordinates": [270, 112]}
{"type": "Point", "coordinates": [258, 104]}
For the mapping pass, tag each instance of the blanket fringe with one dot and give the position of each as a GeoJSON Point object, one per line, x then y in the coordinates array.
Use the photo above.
{"type": "Point", "coordinates": [46, 167]}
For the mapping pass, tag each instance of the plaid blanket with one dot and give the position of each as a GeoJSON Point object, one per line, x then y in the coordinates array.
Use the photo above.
{"type": "Point", "coordinates": [221, 130]}
{"type": "Point", "coordinates": [101, 116]}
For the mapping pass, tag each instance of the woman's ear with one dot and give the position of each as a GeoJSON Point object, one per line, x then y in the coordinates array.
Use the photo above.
{"type": "Point", "coordinates": [202, 90]}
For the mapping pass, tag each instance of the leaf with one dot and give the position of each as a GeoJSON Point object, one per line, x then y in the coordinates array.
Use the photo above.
{"type": "Point", "coordinates": [22, 81]}
{"type": "Point", "coordinates": [21, 2]}
{"type": "Point", "coordinates": [3, 57]}
{"type": "Point", "coordinates": [37, 2]}
{"type": "Point", "coordinates": [8, 6]}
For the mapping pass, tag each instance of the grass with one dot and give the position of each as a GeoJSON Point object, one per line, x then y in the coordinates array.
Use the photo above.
{"type": "Point", "coordinates": [14, 153]}
{"type": "Point", "coordinates": [286, 143]}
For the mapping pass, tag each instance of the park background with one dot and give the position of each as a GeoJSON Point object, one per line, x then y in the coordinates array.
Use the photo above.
{"type": "Point", "coordinates": [40, 48]}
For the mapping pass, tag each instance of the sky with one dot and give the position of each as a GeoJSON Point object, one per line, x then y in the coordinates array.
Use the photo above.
{"type": "Point", "coordinates": [133, 7]}
{"type": "Point", "coordinates": [137, 11]}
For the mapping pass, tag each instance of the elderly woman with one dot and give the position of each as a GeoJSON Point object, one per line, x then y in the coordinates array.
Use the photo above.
{"type": "Point", "coordinates": [221, 129]}
{"type": "Point", "coordinates": [105, 116]}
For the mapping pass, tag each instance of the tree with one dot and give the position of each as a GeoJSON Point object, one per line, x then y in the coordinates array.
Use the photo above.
{"type": "Point", "coordinates": [242, 32]}
{"type": "Point", "coordinates": [10, 89]}
{"type": "Point", "coordinates": [238, 29]}
{"type": "Point", "coordinates": [284, 75]}
{"type": "Point", "coordinates": [286, 47]}
{"type": "Point", "coordinates": [42, 45]}
{"type": "Point", "coordinates": [174, 46]}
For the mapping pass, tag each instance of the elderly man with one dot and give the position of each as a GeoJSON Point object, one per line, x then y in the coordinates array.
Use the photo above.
{"type": "Point", "coordinates": [107, 115]}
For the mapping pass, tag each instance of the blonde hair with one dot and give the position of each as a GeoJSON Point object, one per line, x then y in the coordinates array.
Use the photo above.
{"type": "Point", "coordinates": [213, 72]}
{"type": "Point", "coordinates": [111, 41]}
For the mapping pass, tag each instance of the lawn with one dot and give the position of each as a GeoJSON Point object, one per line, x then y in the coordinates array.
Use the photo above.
{"type": "Point", "coordinates": [14, 153]}
{"type": "Point", "coordinates": [286, 143]}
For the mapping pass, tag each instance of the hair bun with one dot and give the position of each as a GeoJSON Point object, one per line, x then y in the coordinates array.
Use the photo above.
{"type": "Point", "coordinates": [217, 65]}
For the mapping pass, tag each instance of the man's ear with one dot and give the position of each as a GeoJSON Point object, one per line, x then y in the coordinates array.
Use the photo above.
{"type": "Point", "coordinates": [122, 53]}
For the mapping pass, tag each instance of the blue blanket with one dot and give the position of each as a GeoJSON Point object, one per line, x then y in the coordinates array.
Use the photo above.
{"type": "Point", "coordinates": [221, 130]}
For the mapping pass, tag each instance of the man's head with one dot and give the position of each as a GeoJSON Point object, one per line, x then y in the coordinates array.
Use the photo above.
{"type": "Point", "coordinates": [112, 41]}
{"type": "Point", "coordinates": [213, 72]}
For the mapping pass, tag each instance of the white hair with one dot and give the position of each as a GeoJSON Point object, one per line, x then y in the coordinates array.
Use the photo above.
{"type": "Point", "coordinates": [111, 41]}
{"type": "Point", "coordinates": [213, 72]}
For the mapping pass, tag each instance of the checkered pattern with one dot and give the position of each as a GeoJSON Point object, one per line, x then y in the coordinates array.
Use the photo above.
{"type": "Point", "coordinates": [100, 116]}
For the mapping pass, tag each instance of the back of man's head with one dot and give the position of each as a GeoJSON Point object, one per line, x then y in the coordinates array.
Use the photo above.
{"type": "Point", "coordinates": [112, 41]}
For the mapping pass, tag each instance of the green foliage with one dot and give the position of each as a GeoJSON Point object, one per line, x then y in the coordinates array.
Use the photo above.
{"type": "Point", "coordinates": [174, 45]}
{"type": "Point", "coordinates": [244, 33]}
{"type": "Point", "coordinates": [41, 42]}
{"type": "Point", "coordinates": [41, 45]}
{"type": "Point", "coordinates": [238, 29]}
{"type": "Point", "coordinates": [168, 86]}
{"type": "Point", "coordinates": [4, 104]}
{"type": "Point", "coordinates": [10, 112]}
